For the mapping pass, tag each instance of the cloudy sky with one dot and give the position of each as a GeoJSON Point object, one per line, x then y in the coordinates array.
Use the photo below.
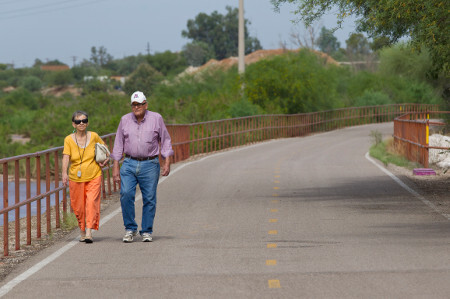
{"type": "Point", "coordinates": [67, 29]}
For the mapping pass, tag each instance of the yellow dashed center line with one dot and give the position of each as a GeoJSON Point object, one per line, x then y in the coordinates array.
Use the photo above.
{"type": "Point", "coordinates": [274, 284]}
{"type": "Point", "coordinates": [271, 262]}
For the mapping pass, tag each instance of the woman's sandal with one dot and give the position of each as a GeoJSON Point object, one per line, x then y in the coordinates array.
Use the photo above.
{"type": "Point", "coordinates": [88, 239]}
{"type": "Point", "coordinates": [82, 236]}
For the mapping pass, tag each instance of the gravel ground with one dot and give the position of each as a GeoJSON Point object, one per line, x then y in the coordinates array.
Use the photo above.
{"type": "Point", "coordinates": [435, 188]}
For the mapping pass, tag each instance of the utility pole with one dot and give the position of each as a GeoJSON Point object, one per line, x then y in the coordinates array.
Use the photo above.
{"type": "Point", "coordinates": [148, 48]}
{"type": "Point", "coordinates": [241, 41]}
{"type": "Point", "coordinates": [74, 58]}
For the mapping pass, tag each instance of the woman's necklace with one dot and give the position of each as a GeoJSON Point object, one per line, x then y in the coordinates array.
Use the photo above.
{"type": "Point", "coordinates": [81, 155]}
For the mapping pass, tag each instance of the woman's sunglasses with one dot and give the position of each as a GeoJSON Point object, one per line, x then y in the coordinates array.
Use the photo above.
{"type": "Point", "coordinates": [79, 121]}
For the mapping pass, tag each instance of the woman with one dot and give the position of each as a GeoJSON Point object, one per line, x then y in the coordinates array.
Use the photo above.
{"type": "Point", "coordinates": [84, 175]}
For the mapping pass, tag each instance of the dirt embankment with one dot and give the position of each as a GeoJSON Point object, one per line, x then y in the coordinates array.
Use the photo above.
{"type": "Point", "coordinates": [249, 59]}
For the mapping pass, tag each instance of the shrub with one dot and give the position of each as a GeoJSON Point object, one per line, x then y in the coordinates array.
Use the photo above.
{"type": "Point", "coordinates": [373, 98]}
{"type": "Point", "coordinates": [291, 83]}
{"type": "Point", "coordinates": [31, 83]}
{"type": "Point", "coordinates": [144, 78]}
{"type": "Point", "coordinates": [243, 107]}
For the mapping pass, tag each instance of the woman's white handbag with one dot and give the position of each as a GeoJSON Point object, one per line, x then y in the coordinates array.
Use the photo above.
{"type": "Point", "coordinates": [101, 152]}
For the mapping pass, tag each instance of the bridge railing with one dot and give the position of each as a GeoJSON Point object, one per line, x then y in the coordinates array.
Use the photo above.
{"type": "Point", "coordinates": [26, 173]}
{"type": "Point", "coordinates": [411, 134]}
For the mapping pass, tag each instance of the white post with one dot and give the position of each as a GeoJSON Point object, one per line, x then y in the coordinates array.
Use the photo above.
{"type": "Point", "coordinates": [241, 42]}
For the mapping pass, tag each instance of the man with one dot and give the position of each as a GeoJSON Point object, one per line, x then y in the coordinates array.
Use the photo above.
{"type": "Point", "coordinates": [138, 137]}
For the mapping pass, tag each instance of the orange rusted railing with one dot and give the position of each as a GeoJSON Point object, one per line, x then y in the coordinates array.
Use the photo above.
{"type": "Point", "coordinates": [187, 140]}
{"type": "Point", "coordinates": [411, 132]}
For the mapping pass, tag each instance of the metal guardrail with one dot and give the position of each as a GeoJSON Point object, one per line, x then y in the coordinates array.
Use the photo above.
{"type": "Point", "coordinates": [411, 134]}
{"type": "Point", "coordinates": [187, 140]}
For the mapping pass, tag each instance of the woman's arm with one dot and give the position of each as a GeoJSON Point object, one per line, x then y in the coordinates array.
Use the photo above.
{"type": "Point", "coordinates": [65, 165]}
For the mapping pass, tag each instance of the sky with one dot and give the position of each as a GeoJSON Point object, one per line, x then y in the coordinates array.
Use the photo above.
{"type": "Point", "coordinates": [67, 29]}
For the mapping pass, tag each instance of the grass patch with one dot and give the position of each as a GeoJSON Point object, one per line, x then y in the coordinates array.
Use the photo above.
{"type": "Point", "coordinates": [386, 152]}
{"type": "Point", "coordinates": [70, 221]}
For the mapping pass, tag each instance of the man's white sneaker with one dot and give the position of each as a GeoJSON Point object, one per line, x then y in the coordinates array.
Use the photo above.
{"type": "Point", "coordinates": [129, 234]}
{"type": "Point", "coordinates": [146, 237]}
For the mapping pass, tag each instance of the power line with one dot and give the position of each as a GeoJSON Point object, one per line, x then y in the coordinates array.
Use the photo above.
{"type": "Point", "coordinates": [13, 1]}
{"type": "Point", "coordinates": [17, 13]}
{"type": "Point", "coordinates": [33, 7]}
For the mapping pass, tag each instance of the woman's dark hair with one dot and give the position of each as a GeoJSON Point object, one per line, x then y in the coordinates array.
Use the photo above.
{"type": "Point", "coordinates": [78, 113]}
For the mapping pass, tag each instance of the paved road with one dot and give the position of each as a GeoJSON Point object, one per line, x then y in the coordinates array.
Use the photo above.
{"type": "Point", "coordinates": [293, 218]}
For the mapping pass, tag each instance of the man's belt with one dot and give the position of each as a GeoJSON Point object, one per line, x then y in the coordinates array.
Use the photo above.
{"type": "Point", "coordinates": [141, 159]}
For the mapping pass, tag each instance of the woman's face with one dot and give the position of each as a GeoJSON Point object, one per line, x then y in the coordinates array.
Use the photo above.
{"type": "Point", "coordinates": [80, 123]}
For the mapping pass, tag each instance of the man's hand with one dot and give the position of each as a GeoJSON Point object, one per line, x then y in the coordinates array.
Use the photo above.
{"type": "Point", "coordinates": [116, 172]}
{"type": "Point", "coordinates": [166, 167]}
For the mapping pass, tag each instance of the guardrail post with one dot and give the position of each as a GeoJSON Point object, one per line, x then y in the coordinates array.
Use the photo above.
{"type": "Point", "coordinates": [5, 216]}
{"type": "Point", "coordinates": [17, 200]}
{"type": "Point", "coordinates": [47, 188]}
{"type": "Point", "coordinates": [38, 202]}
{"type": "Point", "coordinates": [28, 194]}
{"type": "Point", "coordinates": [58, 224]}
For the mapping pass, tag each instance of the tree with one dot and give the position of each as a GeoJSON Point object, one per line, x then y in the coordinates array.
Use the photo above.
{"type": "Point", "coordinates": [307, 39]}
{"type": "Point", "coordinates": [100, 57]}
{"type": "Point", "coordinates": [197, 53]}
{"type": "Point", "coordinates": [327, 42]}
{"type": "Point", "coordinates": [426, 23]}
{"type": "Point", "coordinates": [167, 63]}
{"type": "Point", "coordinates": [357, 46]}
{"type": "Point", "coordinates": [127, 65]}
{"type": "Point", "coordinates": [144, 78]}
{"type": "Point", "coordinates": [220, 32]}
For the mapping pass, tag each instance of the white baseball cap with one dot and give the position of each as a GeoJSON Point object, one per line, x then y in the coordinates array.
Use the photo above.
{"type": "Point", "coordinates": [138, 96]}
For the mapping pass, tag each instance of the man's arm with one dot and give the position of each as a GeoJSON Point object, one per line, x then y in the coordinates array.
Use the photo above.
{"type": "Point", "coordinates": [117, 152]}
{"type": "Point", "coordinates": [116, 171]}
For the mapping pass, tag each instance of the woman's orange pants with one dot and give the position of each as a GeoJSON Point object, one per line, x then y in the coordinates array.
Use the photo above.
{"type": "Point", "coordinates": [85, 202]}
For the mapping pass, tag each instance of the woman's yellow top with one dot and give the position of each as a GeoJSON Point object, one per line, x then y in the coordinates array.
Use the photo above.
{"type": "Point", "coordinates": [89, 168]}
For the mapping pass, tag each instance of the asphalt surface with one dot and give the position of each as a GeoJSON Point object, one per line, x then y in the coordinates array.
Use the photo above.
{"type": "Point", "coordinates": [304, 217]}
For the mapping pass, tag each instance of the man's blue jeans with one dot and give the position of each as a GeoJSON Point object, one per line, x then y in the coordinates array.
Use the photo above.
{"type": "Point", "coordinates": [146, 174]}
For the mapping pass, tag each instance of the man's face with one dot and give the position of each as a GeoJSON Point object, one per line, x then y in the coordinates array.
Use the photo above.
{"type": "Point", "coordinates": [139, 108]}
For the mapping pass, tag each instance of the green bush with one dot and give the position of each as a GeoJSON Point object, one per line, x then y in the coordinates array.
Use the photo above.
{"type": "Point", "coordinates": [31, 83]}
{"type": "Point", "coordinates": [243, 108]}
{"type": "Point", "coordinates": [62, 78]}
{"type": "Point", "coordinates": [291, 83]}
{"type": "Point", "coordinates": [372, 98]}
{"type": "Point", "coordinates": [402, 60]}
{"type": "Point", "coordinates": [21, 99]}
{"type": "Point", "coordinates": [144, 79]}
